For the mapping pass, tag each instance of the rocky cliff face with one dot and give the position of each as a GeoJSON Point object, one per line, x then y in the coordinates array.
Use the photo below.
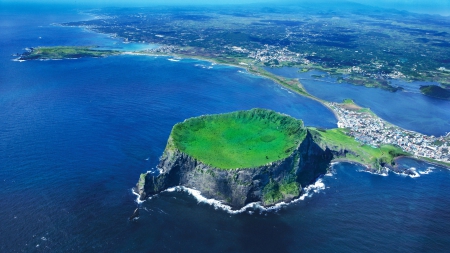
{"type": "Point", "coordinates": [274, 182]}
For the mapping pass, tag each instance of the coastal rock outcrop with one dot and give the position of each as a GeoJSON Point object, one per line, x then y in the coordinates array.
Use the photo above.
{"type": "Point", "coordinates": [256, 156]}
{"type": "Point", "coordinates": [271, 183]}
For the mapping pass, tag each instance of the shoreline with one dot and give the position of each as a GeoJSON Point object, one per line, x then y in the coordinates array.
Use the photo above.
{"type": "Point", "coordinates": [423, 159]}
{"type": "Point", "coordinates": [307, 191]}
{"type": "Point", "coordinates": [257, 71]}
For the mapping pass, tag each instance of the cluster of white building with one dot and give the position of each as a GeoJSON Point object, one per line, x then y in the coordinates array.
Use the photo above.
{"type": "Point", "coordinates": [163, 49]}
{"type": "Point", "coordinates": [369, 129]}
{"type": "Point", "coordinates": [272, 53]}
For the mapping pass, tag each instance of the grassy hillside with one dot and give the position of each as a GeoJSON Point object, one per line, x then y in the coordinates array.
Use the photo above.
{"type": "Point", "coordinates": [241, 139]}
{"type": "Point", "coordinates": [337, 139]}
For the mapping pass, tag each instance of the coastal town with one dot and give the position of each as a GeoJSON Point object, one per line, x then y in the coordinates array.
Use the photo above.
{"type": "Point", "coordinates": [369, 129]}
{"type": "Point", "coordinates": [276, 56]}
{"type": "Point", "coordinates": [165, 49]}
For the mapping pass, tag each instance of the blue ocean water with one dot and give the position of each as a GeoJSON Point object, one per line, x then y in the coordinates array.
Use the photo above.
{"type": "Point", "coordinates": [408, 109]}
{"type": "Point", "coordinates": [76, 134]}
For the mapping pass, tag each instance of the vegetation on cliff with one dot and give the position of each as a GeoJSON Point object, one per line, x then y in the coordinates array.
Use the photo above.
{"type": "Point", "coordinates": [255, 155]}
{"type": "Point", "coordinates": [64, 52]}
{"type": "Point", "coordinates": [275, 192]}
{"type": "Point", "coordinates": [242, 139]}
{"type": "Point", "coordinates": [352, 150]}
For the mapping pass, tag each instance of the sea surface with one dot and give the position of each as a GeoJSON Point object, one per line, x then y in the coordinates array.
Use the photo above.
{"type": "Point", "coordinates": [408, 109]}
{"type": "Point", "coordinates": [76, 134]}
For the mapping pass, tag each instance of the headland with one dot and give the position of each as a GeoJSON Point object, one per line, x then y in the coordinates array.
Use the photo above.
{"type": "Point", "coordinates": [256, 156]}
{"type": "Point", "coordinates": [239, 158]}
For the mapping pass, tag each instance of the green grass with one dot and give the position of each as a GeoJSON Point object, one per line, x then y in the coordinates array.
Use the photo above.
{"type": "Point", "coordinates": [272, 193]}
{"type": "Point", "coordinates": [61, 52]}
{"type": "Point", "coordinates": [275, 192]}
{"type": "Point", "coordinates": [349, 101]}
{"type": "Point", "coordinates": [291, 84]}
{"type": "Point", "coordinates": [142, 180]}
{"type": "Point", "coordinates": [337, 139]}
{"type": "Point", "coordinates": [242, 139]}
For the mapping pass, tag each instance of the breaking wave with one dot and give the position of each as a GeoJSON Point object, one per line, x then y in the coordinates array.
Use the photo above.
{"type": "Point", "coordinates": [217, 204]}
{"type": "Point", "coordinates": [427, 171]}
{"type": "Point", "coordinates": [385, 172]}
{"type": "Point", "coordinates": [412, 169]}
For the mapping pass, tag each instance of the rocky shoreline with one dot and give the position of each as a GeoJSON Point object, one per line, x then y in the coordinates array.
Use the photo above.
{"type": "Point", "coordinates": [385, 170]}
{"type": "Point", "coordinates": [279, 181]}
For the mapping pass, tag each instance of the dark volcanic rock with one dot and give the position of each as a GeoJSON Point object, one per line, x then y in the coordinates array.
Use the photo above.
{"type": "Point", "coordinates": [435, 91]}
{"type": "Point", "coordinates": [238, 187]}
{"type": "Point", "coordinates": [135, 214]}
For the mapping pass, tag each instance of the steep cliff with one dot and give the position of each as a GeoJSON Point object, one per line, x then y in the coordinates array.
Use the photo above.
{"type": "Point", "coordinates": [271, 183]}
{"type": "Point", "coordinates": [203, 153]}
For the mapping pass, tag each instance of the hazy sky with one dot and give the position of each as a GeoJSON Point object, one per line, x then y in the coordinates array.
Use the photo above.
{"type": "Point", "coordinates": [424, 6]}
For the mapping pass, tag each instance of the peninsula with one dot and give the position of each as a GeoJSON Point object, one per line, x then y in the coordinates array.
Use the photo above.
{"type": "Point", "coordinates": [254, 156]}
{"type": "Point", "coordinates": [367, 128]}
{"type": "Point", "coordinates": [64, 52]}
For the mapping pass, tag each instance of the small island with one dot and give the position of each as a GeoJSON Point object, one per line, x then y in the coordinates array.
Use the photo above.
{"type": "Point", "coordinates": [64, 52]}
{"type": "Point", "coordinates": [257, 155]}
{"type": "Point", "coordinates": [435, 91]}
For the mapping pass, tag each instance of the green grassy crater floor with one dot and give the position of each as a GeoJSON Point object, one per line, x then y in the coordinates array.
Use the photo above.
{"type": "Point", "coordinates": [242, 139]}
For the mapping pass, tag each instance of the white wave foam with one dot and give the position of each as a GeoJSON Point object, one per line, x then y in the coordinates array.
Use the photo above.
{"type": "Point", "coordinates": [329, 174]}
{"type": "Point", "coordinates": [331, 171]}
{"type": "Point", "coordinates": [171, 59]}
{"type": "Point", "coordinates": [217, 204]}
{"type": "Point", "coordinates": [385, 172]}
{"type": "Point", "coordinates": [138, 197]}
{"type": "Point", "coordinates": [171, 189]}
{"type": "Point", "coordinates": [316, 187]}
{"type": "Point", "coordinates": [427, 171]}
{"type": "Point", "coordinates": [199, 65]}
{"type": "Point", "coordinates": [414, 170]}
{"type": "Point", "coordinates": [286, 90]}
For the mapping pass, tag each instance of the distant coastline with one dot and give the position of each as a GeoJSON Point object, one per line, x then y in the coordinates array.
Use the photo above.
{"type": "Point", "coordinates": [293, 85]}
